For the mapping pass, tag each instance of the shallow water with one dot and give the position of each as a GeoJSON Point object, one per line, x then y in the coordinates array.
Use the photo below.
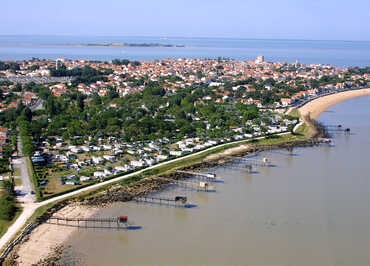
{"type": "Point", "coordinates": [311, 209]}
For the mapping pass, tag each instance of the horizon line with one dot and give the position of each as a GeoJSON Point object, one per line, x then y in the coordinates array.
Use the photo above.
{"type": "Point", "coordinates": [185, 37]}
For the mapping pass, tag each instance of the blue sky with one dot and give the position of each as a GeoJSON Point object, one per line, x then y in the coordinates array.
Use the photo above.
{"type": "Point", "coordinates": [275, 19]}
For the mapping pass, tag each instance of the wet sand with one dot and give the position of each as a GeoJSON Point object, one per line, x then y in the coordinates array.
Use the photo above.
{"type": "Point", "coordinates": [228, 152]}
{"type": "Point", "coordinates": [318, 106]}
{"type": "Point", "coordinates": [311, 208]}
{"type": "Point", "coordinates": [46, 237]}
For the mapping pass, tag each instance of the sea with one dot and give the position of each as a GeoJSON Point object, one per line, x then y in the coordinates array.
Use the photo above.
{"type": "Point", "coordinates": [338, 53]}
{"type": "Point", "coordinates": [311, 207]}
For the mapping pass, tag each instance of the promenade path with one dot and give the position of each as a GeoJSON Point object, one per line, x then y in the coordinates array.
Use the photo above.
{"type": "Point", "coordinates": [30, 208]}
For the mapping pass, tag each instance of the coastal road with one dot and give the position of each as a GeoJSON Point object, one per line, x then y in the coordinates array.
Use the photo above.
{"type": "Point", "coordinates": [29, 208]}
{"type": "Point", "coordinates": [24, 192]}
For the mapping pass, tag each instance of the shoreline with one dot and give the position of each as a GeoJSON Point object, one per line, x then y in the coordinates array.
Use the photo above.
{"type": "Point", "coordinates": [316, 107]}
{"type": "Point", "coordinates": [51, 232]}
{"type": "Point", "coordinates": [47, 241]}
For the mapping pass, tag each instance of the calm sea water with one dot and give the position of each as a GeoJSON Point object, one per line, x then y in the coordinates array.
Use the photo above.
{"type": "Point", "coordinates": [339, 53]}
{"type": "Point", "coordinates": [311, 209]}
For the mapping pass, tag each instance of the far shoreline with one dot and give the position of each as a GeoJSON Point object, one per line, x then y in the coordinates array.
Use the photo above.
{"type": "Point", "coordinates": [316, 107]}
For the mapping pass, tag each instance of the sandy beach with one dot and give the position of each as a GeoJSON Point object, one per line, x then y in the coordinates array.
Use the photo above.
{"type": "Point", "coordinates": [316, 107]}
{"type": "Point", "coordinates": [228, 152]}
{"type": "Point", "coordinates": [46, 237]}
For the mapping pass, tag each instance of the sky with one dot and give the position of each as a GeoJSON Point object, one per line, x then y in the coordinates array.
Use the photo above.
{"type": "Point", "coordinates": [255, 19]}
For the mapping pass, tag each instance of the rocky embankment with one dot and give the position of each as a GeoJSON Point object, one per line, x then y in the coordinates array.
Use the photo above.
{"type": "Point", "coordinates": [145, 186]}
{"type": "Point", "coordinates": [129, 189]}
{"type": "Point", "coordinates": [148, 185]}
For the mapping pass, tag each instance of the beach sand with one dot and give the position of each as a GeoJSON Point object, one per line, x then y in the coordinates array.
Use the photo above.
{"type": "Point", "coordinates": [228, 152]}
{"type": "Point", "coordinates": [317, 106]}
{"type": "Point", "coordinates": [46, 237]}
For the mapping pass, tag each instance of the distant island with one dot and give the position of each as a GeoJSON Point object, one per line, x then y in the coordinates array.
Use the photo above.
{"type": "Point", "coordinates": [131, 45]}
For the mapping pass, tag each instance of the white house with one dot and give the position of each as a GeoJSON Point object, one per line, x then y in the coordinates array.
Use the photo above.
{"type": "Point", "coordinates": [109, 158]}
{"type": "Point", "coordinates": [84, 178]}
{"type": "Point", "coordinates": [107, 172]}
{"type": "Point", "coordinates": [176, 153]}
{"type": "Point", "coordinates": [150, 161]}
{"type": "Point", "coordinates": [122, 168]}
{"type": "Point", "coordinates": [76, 150]}
{"type": "Point", "coordinates": [85, 148]}
{"type": "Point", "coordinates": [99, 174]}
{"type": "Point", "coordinates": [161, 157]}
{"type": "Point", "coordinates": [137, 163]}
{"type": "Point", "coordinates": [107, 147]}
{"type": "Point", "coordinates": [97, 160]}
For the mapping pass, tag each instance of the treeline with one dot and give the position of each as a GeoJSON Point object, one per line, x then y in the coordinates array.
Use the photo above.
{"type": "Point", "coordinates": [359, 70]}
{"type": "Point", "coordinates": [150, 114]}
{"type": "Point", "coordinates": [9, 66]}
{"type": "Point", "coordinates": [27, 143]}
{"type": "Point", "coordinates": [27, 129]}
{"type": "Point", "coordinates": [125, 62]}
{"type": "Point", "coordinates": [8, 206]}
{"type": "Point", "coordinates": [4, 165]}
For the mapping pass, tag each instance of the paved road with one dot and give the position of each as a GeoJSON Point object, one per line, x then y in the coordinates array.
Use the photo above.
{"type": "Point", "coordinates": [24, 191]}
{"type": "Point", "coordinates": [29, 208]}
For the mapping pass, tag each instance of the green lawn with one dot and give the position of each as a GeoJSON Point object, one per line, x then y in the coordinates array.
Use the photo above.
{"type": "Point", "coordinates": [294, 112]}
{"type": "Point", "coordinates": [4, 225]}
{"type": "Point", "coordinates": [17, 172]}
{"type": "Point", "coordinates": [18, 182]}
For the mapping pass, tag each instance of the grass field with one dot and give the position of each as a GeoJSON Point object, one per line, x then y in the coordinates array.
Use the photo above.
{"type": "Point", "coordinates": [17, 172]}
{"type": "Point", "coordinates": [18, 182]}
{"type": "Point", "coordinates": [4, 225]}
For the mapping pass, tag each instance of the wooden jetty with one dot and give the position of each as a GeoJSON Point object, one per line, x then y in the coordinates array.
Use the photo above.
{"type": "Point", "coordinates": [333, 126]}
{"type": "Point", "coordinates": [199, 186]}
{"type": "Point", "coordinates": [253, 162]}
{"type": "Point", "coordinates": [92, 222]}
{"type": "Point", "coordinates": [281, 151]}
{"type": "Point", "coordinates": [178, 201]}
{"type": "Point", "coordinates": [337, 128]}
{"type": "Point", "coordinates": [206, 176]}
{"type": "Point", "coordinates": [247, 168]}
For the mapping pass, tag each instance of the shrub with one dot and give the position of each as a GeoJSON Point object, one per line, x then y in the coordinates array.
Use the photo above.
{"type": "Point", "coordinates": [7, 207]}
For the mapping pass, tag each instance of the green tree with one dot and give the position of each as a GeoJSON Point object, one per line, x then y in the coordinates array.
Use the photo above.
{"type": "Point", "coordinates": [7, 207]}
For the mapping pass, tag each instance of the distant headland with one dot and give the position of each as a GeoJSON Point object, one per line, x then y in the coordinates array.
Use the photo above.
{"type": "Point", "coordinates": [130, 45]}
